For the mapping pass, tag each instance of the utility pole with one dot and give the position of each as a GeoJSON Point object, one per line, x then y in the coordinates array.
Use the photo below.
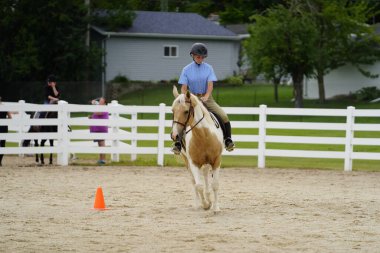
{"type": "Point", "coordinates": [164, 5]}
{"type": "Point", "coordinates": [87, 3]}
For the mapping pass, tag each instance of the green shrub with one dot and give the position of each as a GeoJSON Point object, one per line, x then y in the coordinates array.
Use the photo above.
{"type": "Point", "coordinates": [234, 80]}
{"type": "Point", "coordinates": [368, 93]}
{"type": "Point", "coordinates": [120, 79]}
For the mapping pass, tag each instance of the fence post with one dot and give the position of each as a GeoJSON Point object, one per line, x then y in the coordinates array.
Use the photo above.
{"type": "Point", "coordinates": [133, 133]}
{"type": "Point", "coordinates": [161, 135]}
{"type": "Point", "coordinates": [262, 134]}
{"type": "Point", "coordinates": [21, 126]}
{"type": "Point", "coordinates": [63, 136]}
{"type": "Point", "coordinates": [115, 129]}
{"type": "Point", "coordinates": [348, 149]}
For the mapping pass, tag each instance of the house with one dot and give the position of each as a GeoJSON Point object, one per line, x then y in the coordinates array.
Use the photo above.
{"type": "Point", "coordinates": [344, 80]}
{"type": "Point", "coordinates": [157, 45]}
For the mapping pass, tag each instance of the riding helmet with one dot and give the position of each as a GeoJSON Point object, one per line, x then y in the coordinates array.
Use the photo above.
{"type": "Point", "coordinates": [199, 49]}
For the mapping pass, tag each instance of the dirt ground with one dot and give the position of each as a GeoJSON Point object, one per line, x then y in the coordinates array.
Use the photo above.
{"type": "Point", "coordinates": [150, 209]}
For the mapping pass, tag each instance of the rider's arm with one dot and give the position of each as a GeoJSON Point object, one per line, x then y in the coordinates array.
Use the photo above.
{"type": "Point", "coordinates": [184, 88]}
{"type": "Point", "coordinates": [210, 87]}
{"type": "Point", "coordinates": [55, 91]}
{"type": "Point", "coordinates": [52, 99]}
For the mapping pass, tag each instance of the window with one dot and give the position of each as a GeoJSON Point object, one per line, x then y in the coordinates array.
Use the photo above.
{"type": "Point", "coordinates": [170, 51]}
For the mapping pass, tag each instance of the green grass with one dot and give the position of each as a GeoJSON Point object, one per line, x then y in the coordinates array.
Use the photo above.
{"type": "Point", "coordinates": [238, 96]}
{"type": "Point", "coordinates": [253, 96]}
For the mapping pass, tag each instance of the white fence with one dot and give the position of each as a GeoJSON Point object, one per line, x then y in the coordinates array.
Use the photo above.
{"type": "Point", "coordinates": [120, 141]}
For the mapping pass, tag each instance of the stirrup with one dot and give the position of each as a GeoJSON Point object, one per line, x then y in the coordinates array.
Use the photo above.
{"type": "Point", "coordinates": [229, 144]}
{"type": "Point", "coordinates": [176, 148]}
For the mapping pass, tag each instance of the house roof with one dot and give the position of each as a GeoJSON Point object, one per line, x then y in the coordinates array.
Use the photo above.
{"type": "Point", "coordinates": [171, 24]}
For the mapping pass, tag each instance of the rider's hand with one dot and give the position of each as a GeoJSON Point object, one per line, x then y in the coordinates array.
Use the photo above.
{"type": "Point", "coordinates": [204, 98]}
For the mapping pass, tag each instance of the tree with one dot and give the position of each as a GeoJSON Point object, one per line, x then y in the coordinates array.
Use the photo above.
{"type": "Point", "coordinates": [240, 11]}
{"type": "Point", "coordinates": [337, 22]}
{"type": "Point", "coordinates": [282, 41]}
{"type": "Point", "coordinates": [18, 48]}
{"type": "Point", "coordinates": [40, 38]}
{"type": "Point", "coordinates": [336, 35]}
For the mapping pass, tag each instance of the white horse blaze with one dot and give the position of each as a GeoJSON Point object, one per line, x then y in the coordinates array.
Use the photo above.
{"type": "Point", "coordinates": [203, 146]}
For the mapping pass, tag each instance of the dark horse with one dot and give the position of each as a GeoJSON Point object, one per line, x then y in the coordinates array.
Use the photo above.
{"type": "Point", "coordinates": [42, 129]}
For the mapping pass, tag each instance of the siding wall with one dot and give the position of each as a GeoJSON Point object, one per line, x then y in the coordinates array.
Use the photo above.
{"type": "Point", "coordinates": [343, 81]}
{"type": "Point", "coordinates": [142, 59]}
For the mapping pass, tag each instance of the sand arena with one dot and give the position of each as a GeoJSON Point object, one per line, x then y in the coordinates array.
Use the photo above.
{"type": "Point", "coordinates": [49, 209]}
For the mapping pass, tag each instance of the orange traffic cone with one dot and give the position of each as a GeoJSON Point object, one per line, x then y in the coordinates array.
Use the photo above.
{"type": "Point", "coordinates": [99, 199]}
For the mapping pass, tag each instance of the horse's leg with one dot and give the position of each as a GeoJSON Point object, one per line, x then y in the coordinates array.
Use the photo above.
{"type": "Point", "coordinates": [215, 188]}
{"type": "Point", "coordinates": [198, 186]}
{"type": "Point", "coordinates": [36, 145]}
{"type": "Point", "coordinates": [51, 141]}
{"type": "Point", "coordinates": [197, 202]}
{"type": "Point", "coordinates": [207, 192]}
{"type": "Point", "coordinates": [42, 154]}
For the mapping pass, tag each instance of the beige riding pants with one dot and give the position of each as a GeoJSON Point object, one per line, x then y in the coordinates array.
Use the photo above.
{"type": "Point", "coordinates": [212, 106]}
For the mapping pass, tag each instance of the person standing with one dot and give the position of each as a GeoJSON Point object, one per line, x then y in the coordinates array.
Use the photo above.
{"type": "Point", "coordinates": [51, 90]}
{"type": "Point", "coordinates": [3, 129]}
{"type": "Point", "coordinates": [100, 129]}
{"type": "Point", "coordinates": [199, 78]}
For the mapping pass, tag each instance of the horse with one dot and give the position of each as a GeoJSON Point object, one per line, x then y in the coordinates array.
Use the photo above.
{"type": "Point", "coordinates": [202, 146]}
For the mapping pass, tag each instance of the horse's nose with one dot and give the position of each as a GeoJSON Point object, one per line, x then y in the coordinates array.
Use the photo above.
{"type": "Point", "coordinates": [175, 137]}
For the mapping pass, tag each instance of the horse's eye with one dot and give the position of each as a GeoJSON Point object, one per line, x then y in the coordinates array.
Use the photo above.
{"type": "Point", "coordinates": [186, 112]}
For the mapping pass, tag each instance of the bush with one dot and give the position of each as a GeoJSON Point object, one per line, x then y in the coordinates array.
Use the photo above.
{"type": "Point", "coordinates": [120, 79]}
{"type": "Point", "coordinates": [234, 80]}
{"type": "Point", "coordinates": [368, 93]}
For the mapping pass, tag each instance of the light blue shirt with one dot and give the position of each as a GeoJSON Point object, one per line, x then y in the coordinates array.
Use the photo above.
{"type": "Point", "coordinates": [197, 76]}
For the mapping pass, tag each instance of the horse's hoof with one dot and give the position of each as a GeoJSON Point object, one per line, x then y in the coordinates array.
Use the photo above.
{"type": "Point", "coordinates": [207, 206]}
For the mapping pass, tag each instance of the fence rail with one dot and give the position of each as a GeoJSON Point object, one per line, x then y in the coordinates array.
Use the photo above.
{"type": "Point", "coordinates": [124, 121]}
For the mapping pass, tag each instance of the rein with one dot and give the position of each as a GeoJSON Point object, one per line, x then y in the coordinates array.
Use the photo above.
{"type": "Point", "coordinates": [191, 112]}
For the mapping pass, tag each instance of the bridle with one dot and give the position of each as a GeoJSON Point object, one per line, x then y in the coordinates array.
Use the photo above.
{"type": "Point", "coordinates": [191, 113]}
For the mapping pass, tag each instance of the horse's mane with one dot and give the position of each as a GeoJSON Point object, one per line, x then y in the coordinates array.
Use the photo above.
{"type": "Point", "coordinates": [202, 106]}
{"type": "Point", "coordinates": [182, 99]}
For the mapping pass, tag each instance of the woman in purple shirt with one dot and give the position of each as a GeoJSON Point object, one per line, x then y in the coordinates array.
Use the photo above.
{"type": "Point", "coordinates": [100, 129]}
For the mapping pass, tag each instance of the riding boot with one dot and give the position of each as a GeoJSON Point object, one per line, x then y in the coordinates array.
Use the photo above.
{"type": "Point", "coordinates": [176, 147]}
{"type": "Point", "coordinates": [229, 144]}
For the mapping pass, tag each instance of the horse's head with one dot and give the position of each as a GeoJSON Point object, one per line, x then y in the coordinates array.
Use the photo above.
{"type": "Point", "coordinates": [183, 113]}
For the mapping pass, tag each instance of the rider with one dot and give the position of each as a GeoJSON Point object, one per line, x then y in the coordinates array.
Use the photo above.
{"type": "Point", "coordinates": [199, 78]}
{"type": "Point", "coordinates": [51, 90]}
{"type": "Point", "coordinates": [51, 94]}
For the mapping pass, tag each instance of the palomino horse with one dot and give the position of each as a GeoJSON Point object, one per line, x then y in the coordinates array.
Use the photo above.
{"type": "Point", "coordinates": [202, 145]}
